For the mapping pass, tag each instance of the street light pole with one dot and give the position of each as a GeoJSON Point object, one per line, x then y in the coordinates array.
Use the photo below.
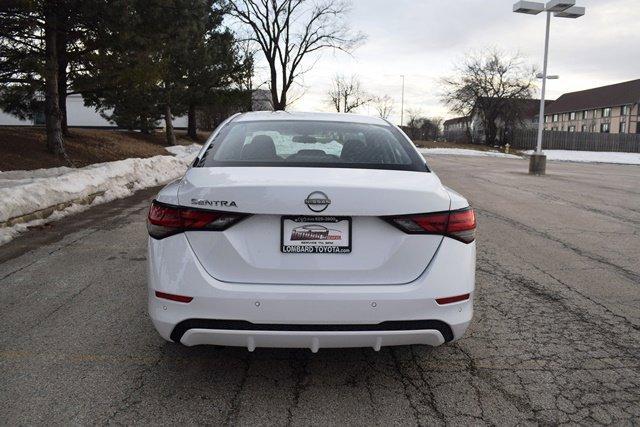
{"type": "Point", "coordinates": [402, 103]}
{"type": "Point", "coordinates": [560, 9]}
{"type": "Point", "coordinates": [544, 86]}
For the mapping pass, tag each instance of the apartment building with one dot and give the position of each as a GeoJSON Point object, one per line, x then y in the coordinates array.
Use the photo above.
{"type": "Point", "coordinates": [523, 115]}
{"type": "Point", "coordinates": [457, 129]}
{"type": "Point", "coordinates": [459, 124]}
{"type": "Point", "coordinates": [606, 109]}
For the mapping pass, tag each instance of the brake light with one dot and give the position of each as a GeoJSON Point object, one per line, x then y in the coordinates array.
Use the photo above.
{"type": "Point", "coordinates": [166, 220]}
{"type": "Point", "coordinates": [458, 224]}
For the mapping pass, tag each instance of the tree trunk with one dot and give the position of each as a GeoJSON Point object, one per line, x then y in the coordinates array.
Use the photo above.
{"type": "Point", "coordinates": [192, 127]}
{"type": "Point", "coordinates": [274, 87]}
{"type": "Point", "coordinates": [62, 100]}
{"type": "Point", "coordinates": [53, 119]}
{"type": "Point", "coordinates": [490, 133]}
{"type": "Point", "coordinates": [144, 129]}
{"type": "Point", "coordinates": [171, 136]}
{"type": "Point", "coordinates": [283, 101]}
{"type": "Point", "coordinates": [278, 104]}
{"type": "Point", "coordinates": [144, 125]}
{"type": "Point", "coordinates": [61, 50]}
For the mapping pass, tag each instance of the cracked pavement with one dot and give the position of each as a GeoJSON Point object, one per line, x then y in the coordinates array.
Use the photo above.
{"type": "Point", "coordinates": [555, 338]}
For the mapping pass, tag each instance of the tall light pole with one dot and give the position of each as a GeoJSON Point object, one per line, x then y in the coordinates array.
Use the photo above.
{"type": "Point", "coordinates": [402, 103]}
{"type": "Point", "coordinates": [560, 9]}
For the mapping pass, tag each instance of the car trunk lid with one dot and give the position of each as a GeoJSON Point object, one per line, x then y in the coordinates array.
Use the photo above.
{"type": "Point", "coordinates": [252, 250]}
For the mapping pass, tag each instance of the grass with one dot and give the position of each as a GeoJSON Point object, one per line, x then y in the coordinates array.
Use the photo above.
{"type": "Point", "coordinates": [24, 148]}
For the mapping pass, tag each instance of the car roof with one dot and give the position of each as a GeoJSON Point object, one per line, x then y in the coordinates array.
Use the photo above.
{"type": "Point", "coordinates": [254, 116]}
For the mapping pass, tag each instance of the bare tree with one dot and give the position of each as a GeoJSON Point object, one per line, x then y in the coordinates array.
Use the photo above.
{"type": "Point", "coordinates": [489, 86]}
{"type": "Point", "coordinates": [347, 94]}
{"type": "Point", "coordinates": [436, 127]}
{"type": "Point", "coordinates": [414, 123]}
{"type": "Point", "coordinates": [287, 31]}
{"type": "Point", "coordinates": [384, 106]}
{"type": "Point", "coordinates": [414, 116]}
{"type": "Point", "coordinates": [421, 128]}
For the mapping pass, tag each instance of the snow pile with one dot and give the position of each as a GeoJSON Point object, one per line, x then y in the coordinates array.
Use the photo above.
{"type": "Point", "coordinates": [17, 178]}
{"type": "Point", "coordinates": [184, 150]}
{"type": "Point", "coordinates": [591, 156]}
{"type": "Point", "coordinates": [465, 152]}
{"type": "Point", "coordinates": [25, 192]}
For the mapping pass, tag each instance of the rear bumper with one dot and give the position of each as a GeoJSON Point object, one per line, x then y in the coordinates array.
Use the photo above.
{"type": "Point", "coordinates": [311, 340]}
{"type": "Point", "coordinates": [309, 316]}
{"type": "Point", "coordinates": [251, 335]}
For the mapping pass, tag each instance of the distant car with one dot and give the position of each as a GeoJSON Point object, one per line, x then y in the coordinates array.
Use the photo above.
{"type": "Point", "coordinates": [398, 266]}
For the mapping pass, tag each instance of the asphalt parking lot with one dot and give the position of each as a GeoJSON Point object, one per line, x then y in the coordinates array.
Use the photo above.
{"type": "Point", "coordinates": [556, 336]}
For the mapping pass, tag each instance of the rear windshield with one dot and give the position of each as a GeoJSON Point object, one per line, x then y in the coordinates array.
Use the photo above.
{"type": "Point", "coordinates": [312, 144]}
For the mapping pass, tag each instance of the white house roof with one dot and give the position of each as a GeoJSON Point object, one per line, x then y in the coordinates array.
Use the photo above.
{"type": "Point", "coordinates": [325, 117]}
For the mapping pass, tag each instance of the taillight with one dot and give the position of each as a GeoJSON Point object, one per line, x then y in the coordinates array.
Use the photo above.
{"type": "Point", "coordinates": [166, 220]}
{"type": "Point", "coordinates": [459, 224]}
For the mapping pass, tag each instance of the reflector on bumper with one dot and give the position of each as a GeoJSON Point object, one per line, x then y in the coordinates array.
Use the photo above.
{"type": "Point", "coordinates": [451, 300]}
{"type": "Point", "coordinates": [172, 297]}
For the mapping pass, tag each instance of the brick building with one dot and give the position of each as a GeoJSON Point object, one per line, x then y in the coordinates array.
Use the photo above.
{"type": "Point", "coordinates": [606, 109]}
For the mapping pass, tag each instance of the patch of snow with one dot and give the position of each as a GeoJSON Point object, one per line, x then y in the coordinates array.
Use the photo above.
{"type": "Point", "coordinates": [17, 178]}
{"type": "Point", "coordinates": [184, 150]}
{"type": "Point", "coordinates": [591, 156]}
{"type": "Point", "coordinates": [24, 192]}
{"type": "Point", "coordinates": [465, 152]}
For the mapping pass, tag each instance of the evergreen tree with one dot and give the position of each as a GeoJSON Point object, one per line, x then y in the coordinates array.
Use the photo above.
{"type": "Point", "coordinates": [159, 59]}
{"type": "Point", "coordinates": [135, 61]}
{"type": "Point", "coordinates": [120, 76]}
{"type": "Point", "coordinates": [40, 40]}
{"type": "Point", "coordinates": [212, 64]}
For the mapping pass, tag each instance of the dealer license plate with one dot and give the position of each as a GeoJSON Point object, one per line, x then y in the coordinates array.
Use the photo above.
{"type": "Point", "coordinates": [316, 235]}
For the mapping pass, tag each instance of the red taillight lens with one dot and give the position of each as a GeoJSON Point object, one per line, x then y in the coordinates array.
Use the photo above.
{"type": "Point", "coordinates": [165, 220]}
{"type": "Point", "coordinates": [459, 224]}
{"type": "Point", "coordinates": [198, 219]}
{"type": "Point", "coordinates": [462, 225]}
{"type": "Point", "coordinates": [164, 215]}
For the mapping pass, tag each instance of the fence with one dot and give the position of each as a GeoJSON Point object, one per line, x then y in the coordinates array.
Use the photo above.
{"type": "Point", "coordinates": [525, 139]}
{"type": "Point", "coordinates": [457, 136]}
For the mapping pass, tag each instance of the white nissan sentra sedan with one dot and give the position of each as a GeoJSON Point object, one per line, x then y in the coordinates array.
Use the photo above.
{"type": "Point", "coordinates": [308, 230]}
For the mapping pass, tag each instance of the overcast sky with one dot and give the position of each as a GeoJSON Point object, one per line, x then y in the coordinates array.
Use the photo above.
{"type": "Point", "coordinates": [422, 39]}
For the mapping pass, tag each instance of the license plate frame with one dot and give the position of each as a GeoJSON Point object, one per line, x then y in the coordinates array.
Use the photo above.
{"type": "Point", "coordinates": [320, 245]}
